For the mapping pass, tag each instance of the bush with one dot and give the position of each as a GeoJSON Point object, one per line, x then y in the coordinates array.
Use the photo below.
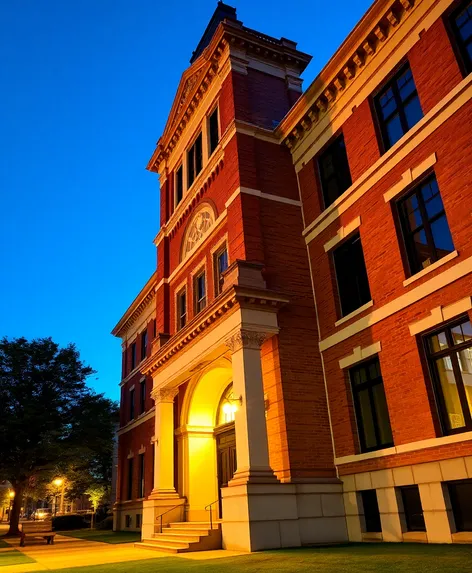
{"type": "Point", "coordinates": [106, 523]}
{"type": "Point", "coordinates": [69, 522]}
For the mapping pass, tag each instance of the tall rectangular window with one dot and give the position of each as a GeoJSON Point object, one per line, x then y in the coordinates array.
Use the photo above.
{"type": "Point", "coordinates": [142, 396]}
{"type": "Point", "coordinates": [200, 292]}
{"type": "Point", "coordinates": [413, 509]}
{"type": "Point", "coordinates": [373, 421]}
{"type": "Point", "coordinates": [450, 359]}
{"type": "Point", "coordinates": [133, 356]}
{"type": "Point", "coordinates": [334, 171]}
{"type": "Point", "coordinates": [141, 476]}
{"type": "Point", "coordinates": [220, 265]}
{"type": "Point", "coordinates": [398, 106]}
{"type": "Point", "coordinates": [213, 130]}
{"type": "Point", "coordinates": [182, 309]}
{"type": "Point", "coordinates": [460, 493]}
{"type": "Point", "coordinates": [179, 185]}
{"type": "Point", "coordinates": [461, 21]}
{"type": "Point", "coordinates": [194, 160]}
{"type": "Point", "coordinates": [130, 479]}
{"type": "Point", "coordinates": [131, 404]}
{"type": "Point", "coordinates": [424, 225]}
{"type": "Point", "coordinates": [371, 511]}
{"type": "Point", "coordinates": [144, 339]}
{"type": "Point", "coordinates": [351, 275]}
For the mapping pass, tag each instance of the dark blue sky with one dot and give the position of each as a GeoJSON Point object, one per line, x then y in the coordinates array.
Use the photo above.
{"type": "Point", "coordinates": [86, 87]}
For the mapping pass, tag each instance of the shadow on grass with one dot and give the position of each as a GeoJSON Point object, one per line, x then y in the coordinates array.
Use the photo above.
{"type": "Point", "coordinates": [14, 557]}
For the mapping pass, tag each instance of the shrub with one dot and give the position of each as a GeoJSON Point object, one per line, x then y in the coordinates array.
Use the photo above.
{"type": "Point", "coordinates": [69, 522]}
{"type": "Point", "coordinates": [106, 523]}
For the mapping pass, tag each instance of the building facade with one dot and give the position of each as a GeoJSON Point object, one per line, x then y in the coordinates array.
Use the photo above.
{"type": "Point", "coordinates": [297, 423]}
{"type": "Point", "coordinates": [380, 144]}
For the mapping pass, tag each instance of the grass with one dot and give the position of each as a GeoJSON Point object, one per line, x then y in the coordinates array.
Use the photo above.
{"type": "Point", "coordinates": [361, 558]}
{"type": "Point", "coordinates": [104, 536]}
{"type": "Point", "coordinates": [3, 544]}
{"type": "Point", "coordinates": [14, 557]}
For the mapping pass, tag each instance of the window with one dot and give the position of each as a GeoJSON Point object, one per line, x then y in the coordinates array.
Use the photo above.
{"type": "Point", "coordinates": [220, 265]}
{"type": "Point", "coordinates": [141, 476]}
{"type": "Point", "coordinates": [200, 292]}
{"type": "Point", "coordinates": [373, 422]}
{"type": "Point", "coordinates": [133, 356]}
{"type": "Point", "coordinates": [450, 359]}
{"type": "Point", "coordinates": [194, 160]}
{"type": "Point", "coordinates": [413, 508]}
{"type": "Point", "coordinates": [142, 397]}
{"type": "Point", "coordinates": [351, 275]}
{"type": "Point", "coordinates": [460, 493]}
{"type": "Point", "coordinates": [130, 479]}
{"type": "Point", "coordinates": [179, 185]}
{"type": "Point", "coordinates": [139, 520]}
{"type": "Point", "coordinates": [181, 309]}
{"type": "Point", "coordinates": [461, 21]}
{"type": "Point", "coordinates": [398, 107]}
{"type": "Point", "coordinates": [371, 511]}
{"type": "Point", "coordinates": [154, 332]}
{"type": "Point", "coordinates": [144, 338]}
{"type": "Point", "coordinates": [127, 520]}
{"type": "Point", "coordinates": [213, 130]}
{"type": "Point", "coordinates": [334, 171]}
{"type": "Point", "coordinates": [131, 404]}
{"type": "Point", "coordinates": [424, 226]}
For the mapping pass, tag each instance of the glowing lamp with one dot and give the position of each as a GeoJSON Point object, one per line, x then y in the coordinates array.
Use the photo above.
{"type": "Point", "coordinates": [12, 494]}
{"type": "Point", "coordinates": [58, 482]}
{"type": "Point", "coordinates": [230, 407]}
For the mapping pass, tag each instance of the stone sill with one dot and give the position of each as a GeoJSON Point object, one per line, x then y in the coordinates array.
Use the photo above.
{"type": "Point", "coordinates": [462, 537]}
{"type": "Point", "coordinates": [415, 537]}
{"type": "Point", "coordinates": [431, 268]}
{"type": "Point", "coordinates": [372, 536]}
{"type": "Point", "coordinates": [354, 313]}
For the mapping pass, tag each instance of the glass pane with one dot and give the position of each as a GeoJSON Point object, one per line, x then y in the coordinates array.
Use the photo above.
{"type": "Point", "coordinates": [387, 103]}
{"type": "Point", "coordinates": [455, 416]}
{"type": "Point", "coordinates": [366, 423]}
{"type": "Point", "coordinates": [381, 411]}
{"type": "Point", "coordinates": [413, 112]}
{"type": "Point", "coordinates": [424, 252]}
{"type": "Point", "coordinates": [406, 85]}
{"type": "Point", "coordinates": [465, 361]}
{"type": "Point", "coordinates": [442, 237]}
{"type": "Point", "coordinates": [327, 166]}
{"type": "Point", "coordinates": [412, 212]}
{"type": "Point", "coordinates": [438, 342]}
{"type": "Point", "coordinates": [467, 330]}
{"type": "Point", "coordinates": [394, 129]}
{"type": "Point", "coordinates": [457, 336]}
{"type": "Point", "coordinates": [374, 370]}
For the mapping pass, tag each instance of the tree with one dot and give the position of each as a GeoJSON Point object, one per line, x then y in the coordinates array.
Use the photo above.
{"type": "Point", "coordinates": [51, 419]}
{"type": "Point", "coordinates": [96, 493]}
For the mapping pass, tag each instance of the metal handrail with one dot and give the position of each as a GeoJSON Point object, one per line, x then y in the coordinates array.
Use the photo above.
{"type": "Point", "coordinates": [208, 508]}
{"type": "Point", "coordinates": [167, 511]}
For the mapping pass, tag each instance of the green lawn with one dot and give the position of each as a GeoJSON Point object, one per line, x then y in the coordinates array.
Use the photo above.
{"type": "Point", "coordinates": [14, 557]}
{"type": "Point", "coordinates": [3, 543]}
{"type": "Point", "coordinates": [362, 558]}
{"type": "Point", "coordinates": [104, 536]}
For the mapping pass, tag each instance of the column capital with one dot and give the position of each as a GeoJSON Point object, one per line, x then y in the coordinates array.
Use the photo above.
{"type": "Point", "coordinates": [246, 339]}
{"type": "Point", "coordinates": [164, 395]}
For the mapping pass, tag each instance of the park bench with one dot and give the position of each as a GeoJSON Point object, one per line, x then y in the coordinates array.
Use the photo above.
{"type": "Point", "coordinates": [37, 529]}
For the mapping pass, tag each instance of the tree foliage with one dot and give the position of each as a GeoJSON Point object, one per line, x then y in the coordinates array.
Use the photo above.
{"type": "Point", "coordinates": [51, 421]}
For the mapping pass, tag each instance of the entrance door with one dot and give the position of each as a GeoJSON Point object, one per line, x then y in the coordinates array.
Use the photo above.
{"type": "Point", "coordinates": [226, 456]}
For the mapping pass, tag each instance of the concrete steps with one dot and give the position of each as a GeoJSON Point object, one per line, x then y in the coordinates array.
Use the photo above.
{"type": "Point", "coordinates": [184, 537]}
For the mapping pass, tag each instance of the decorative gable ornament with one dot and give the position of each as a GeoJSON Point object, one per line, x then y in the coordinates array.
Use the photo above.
{"type": "Point", "coordinates": [197, 229]}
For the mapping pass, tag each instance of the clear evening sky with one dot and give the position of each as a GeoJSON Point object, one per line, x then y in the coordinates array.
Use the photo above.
{"type": "Point", "coordinates": [85, 90]}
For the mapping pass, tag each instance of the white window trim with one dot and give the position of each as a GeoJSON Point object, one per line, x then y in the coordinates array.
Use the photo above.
{"type": "Point", "coordinates": [359, 354]}
{"type": "Point", "coordinates": [342, 233]}
{"type": "Point", "coordinates": [409, 176]}
{"type": "Point", "coordinates": [354, 313]}
{"type": "Point", "coordinates": [441, 314]}
{"type": "Point", "coordinates": [431, 268]}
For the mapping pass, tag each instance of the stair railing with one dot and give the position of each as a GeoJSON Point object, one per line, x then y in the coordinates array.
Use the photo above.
{"type": "Point", "coordinates": [209, 508]}
{"type": "Point", "coordinates": [159, 517]}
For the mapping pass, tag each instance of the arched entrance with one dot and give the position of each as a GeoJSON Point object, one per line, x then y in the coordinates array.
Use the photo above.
{"type": "Point", "coordinates": [207, 443]}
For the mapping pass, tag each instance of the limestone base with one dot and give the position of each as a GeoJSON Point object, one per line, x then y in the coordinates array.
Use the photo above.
{"type": "Point", "coordinates": [174, 509]}
{"type": "Point", "coordinates": [275, 515]}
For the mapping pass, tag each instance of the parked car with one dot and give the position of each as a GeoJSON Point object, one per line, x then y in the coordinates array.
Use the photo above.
{"type": "Point", "coordinates": [41, 514]}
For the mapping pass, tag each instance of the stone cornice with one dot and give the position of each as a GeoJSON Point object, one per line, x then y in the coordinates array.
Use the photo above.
{"type": "Point", "coordinates": [137, 307]}
{"type": "Point", "coordinates": [376, 26]}
{"type": "Point", "coordinates": [234, 297]}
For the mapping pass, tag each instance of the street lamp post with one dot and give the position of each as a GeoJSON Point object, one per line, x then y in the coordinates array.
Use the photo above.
{"type": "Point", "coordinates": [59, 483]}
{"type": "Point", "coordinates": [11, 495]}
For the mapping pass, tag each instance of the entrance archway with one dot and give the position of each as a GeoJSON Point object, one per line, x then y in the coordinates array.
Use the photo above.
{"type": "Point", "coordinates": [201, 415]}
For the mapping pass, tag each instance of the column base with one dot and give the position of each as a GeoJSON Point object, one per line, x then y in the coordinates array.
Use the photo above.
{"type": "Point", "coordinates": [164, 494]}
{"type": "Point", "coordinates": [253, 475]}
{"type": "Point", "coordinates": [275, 515]}
{"type": "Point", "coordinates": [172, 509]}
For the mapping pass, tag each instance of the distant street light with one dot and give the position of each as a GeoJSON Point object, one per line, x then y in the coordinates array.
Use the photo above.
{"type": "Point", "coordinates": [11, 495]}
{"type": "Point", "coordinates": [59, 483]}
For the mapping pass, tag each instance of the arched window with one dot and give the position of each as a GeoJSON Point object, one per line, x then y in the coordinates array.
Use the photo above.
{"type": "Point", "coordinates": [197, 229]}
{"type": "Point", "coordinates": [228, 407]}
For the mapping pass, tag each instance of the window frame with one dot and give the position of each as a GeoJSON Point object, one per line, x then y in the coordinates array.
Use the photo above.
{"type": "Point", "coordinates": [144, 344]}
{"type": "Point", "coordinates": [450, 351]}
{"type": "Point", "coordinates": [129, 488]}
{"type": "Point", "coordinates": [457, 510]}
{"type": "Point", "coordinates": [319, 158]}
{"type": "Point", "coordinates": [214, 112]}
{"type": "Point", "coordinates": [377, 518]}
{"type": "Point", "coordinates": [179, 169]}
{"type": "Point", "coordinates": [142, 396]}
{"type": "Point", "coordinates": [141, 475]}
{"type": "Point", "coordinates": [198, 305]}
{"type": "Point", "coordinates": [218, 279]}
{"type": "Point", "coordinates": [192, 163]}
{"type": "Point", "coordinates": [133, 360]}
{"type": "Point", "coordinates": [390, 81]}
{"type": "Point", "coordinates": [181, 318]}
{"type": "Point", "coordinates": [355, 390]}
{"type": "Point", "coordinates": [463, 59]}
{"type": "Point", "coordinates": [426, 223]}
{"type": "Point", "coordinates": [132, 403]}
{"type": "Point", "coordinates": [408, 514]}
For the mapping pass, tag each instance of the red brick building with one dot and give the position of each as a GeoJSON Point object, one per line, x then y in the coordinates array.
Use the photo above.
{"type": "Point", "coordinates": [238, 399]}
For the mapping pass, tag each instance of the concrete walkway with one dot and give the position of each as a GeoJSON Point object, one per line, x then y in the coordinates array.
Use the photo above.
{"type": "Point", "coordinates": [71, 552]}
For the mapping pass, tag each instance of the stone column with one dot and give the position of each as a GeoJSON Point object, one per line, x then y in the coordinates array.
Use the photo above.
{"type": "Point", "coordinates": [164, 486]}
{"type": "Point", "coordinates": [252, 449]}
